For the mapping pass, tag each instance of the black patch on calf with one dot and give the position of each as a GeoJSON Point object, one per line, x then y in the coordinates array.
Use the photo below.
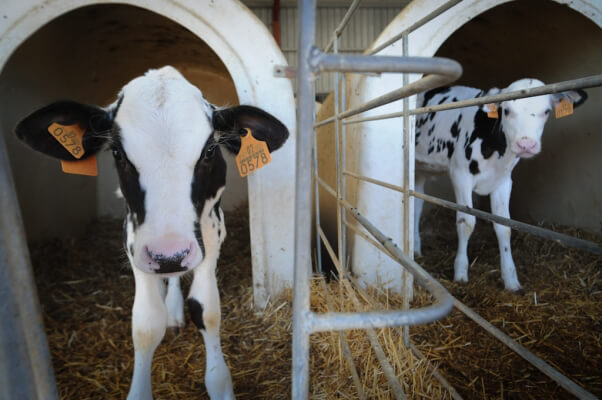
{"type": "Point", "coordinates": [209, 176]}
{"type": "Point", "coordinates": [450, 148]}
{"type": "Point", "coordinates": [455, 128]}
{"type": "Point", "coordinates": [468, 151]}
{"type": "Point", "coordinates": [216, 209]}
{"type": "Point", "coordinates": [443, 100]}
{"type": "Point", "coordinates": [129, 181]}
{"type": "Point", "coordinates": [490, 132]}
{"type": "Point", "coordinates": [196, 313]}
{"type": "Point", "coordinates": [433, 92]}
{"type": "Point", "coordinates": [431, 116]}
{"type": "Point", "coordinates": [199, 236]}
{"type": "Point", "coordinates": [430, 132]}
{"type": "Point", "coordinates": [125, 236]}
{"type": "Point", "coordinates": [473, 167]}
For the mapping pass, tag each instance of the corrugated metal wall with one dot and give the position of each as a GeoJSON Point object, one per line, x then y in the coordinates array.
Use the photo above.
{"type": "Point", "coordinates": [364, 28]}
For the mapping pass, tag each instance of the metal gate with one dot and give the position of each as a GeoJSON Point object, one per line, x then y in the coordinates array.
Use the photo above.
{"type": "Point", "coordinates": [313, 61]}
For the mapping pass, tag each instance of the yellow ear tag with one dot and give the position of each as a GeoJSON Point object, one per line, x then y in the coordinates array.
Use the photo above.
{"type": "Point", "coordinates": [253, 154]}
{"type": "Point", "coordinates": [492, 113]}
{"type": "Point", "coordinates": [70, 137]}
{"type": "Point", "coordinates": [564, 108]}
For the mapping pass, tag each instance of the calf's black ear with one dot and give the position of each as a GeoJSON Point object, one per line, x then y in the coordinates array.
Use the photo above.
{"type": "Point", "coordinates": [96, 123]}
{"type": "Point", "coordinates": [577, 97]}
{"type": "Point", "coordinates": [230, 124]}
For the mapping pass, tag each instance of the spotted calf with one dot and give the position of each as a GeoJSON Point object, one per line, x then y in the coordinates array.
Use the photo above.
{"type": "Point", "coordinates": [165, 140]}
{"type": "Point", "coordinates": [479, 154]}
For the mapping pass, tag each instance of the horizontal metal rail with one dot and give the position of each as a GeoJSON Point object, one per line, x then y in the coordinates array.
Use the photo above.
{"type": "Point", "coordinates": [444, 382]}
{"type": "Point", "coordinates": [441, 71]}
{"type": "Point", "coordinates": [387, 318]}
{"type": "Point", "coordinates": [560, 238]}
{"type": "Point", "coordinates": [416, 25]}
{"type": "Point", "coordinates": [522, 351]}
{"type": "Point", "coordinates": [339, 29]}
{"type": "Point", "coordinates": [580, 83]}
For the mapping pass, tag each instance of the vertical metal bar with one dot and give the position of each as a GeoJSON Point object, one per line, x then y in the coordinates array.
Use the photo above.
{"type": "Point", "coordinates": [406, 279]}
{"type": "Point", "coordinates": [343, 194]}
{"type": "Point", "coordinates": [302, 273]}
{"type": "Point", "coordinates": [337, 150]}
{"type": "Point", "coordinates": [25, 365]}
{"type": "Point", "coordinates": [339, 29]}
{"type": "Point", "coordinates": [316, 192]}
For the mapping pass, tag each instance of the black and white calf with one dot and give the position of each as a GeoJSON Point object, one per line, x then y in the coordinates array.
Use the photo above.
{"type": "Point", "coordinates": [164, 137]}
{"type": "Point", "coordinates": [479, 153]}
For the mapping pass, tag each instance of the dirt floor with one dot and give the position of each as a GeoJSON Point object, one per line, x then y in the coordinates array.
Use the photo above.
{"type": "Point", "coordinates": [86, 290]}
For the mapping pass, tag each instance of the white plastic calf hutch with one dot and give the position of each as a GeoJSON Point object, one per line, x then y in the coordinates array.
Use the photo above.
{"type": "Point", "coordinates": [374, 148]}
{"type": "Point", "coordinates": [87, 49]}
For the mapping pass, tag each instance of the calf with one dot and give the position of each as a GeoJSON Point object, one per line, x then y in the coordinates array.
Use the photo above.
{"type": "Point", "coordinates": [164, 137]}
{"type": "Point", "coordinates": [479, 153]}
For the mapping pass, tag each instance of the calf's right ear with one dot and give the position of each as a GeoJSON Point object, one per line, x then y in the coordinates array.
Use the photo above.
{"type": "Point", "coordinates": [95, 122]}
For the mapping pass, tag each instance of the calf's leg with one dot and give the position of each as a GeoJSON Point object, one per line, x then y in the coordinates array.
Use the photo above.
{"type": "Point", "coordinates": [204, 306]}
{"type": "Point", "coordinates": [149, 319]}
{"type": "Point", "coordinates": [418, 203]}
{"type": "Point", "coordinates": [465, 224]}
{"type": "Point", "coordinates": [500, 203]}
{"type": "Point", "coordinates": [175, 303]}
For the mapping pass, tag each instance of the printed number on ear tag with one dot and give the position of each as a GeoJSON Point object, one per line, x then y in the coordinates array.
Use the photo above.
{"type": "Point", "coordinates": [563, 109]}
{"type": "Point", "coordinates": [68, 136]}
{"type": "Point", "coordinates": [253, 154]}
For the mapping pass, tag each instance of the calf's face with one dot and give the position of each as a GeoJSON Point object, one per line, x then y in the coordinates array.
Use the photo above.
{"type": "Point", "coordinates": [165, 139]}
{"type": "Point", "coordinates": [523, 120]}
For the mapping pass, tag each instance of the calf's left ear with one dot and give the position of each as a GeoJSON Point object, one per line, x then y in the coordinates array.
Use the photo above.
{"type": "Point", "coordinates": [231, 123]}
{"type": "Point", "coordinates": [577, 97]}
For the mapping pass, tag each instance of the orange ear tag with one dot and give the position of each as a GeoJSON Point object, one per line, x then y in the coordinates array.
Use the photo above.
{"type": "Point", "coordinates": [70, 137]}
{"type": "Point", "coordinates": [492, 113]}
{"type": "Point", "coordinates": [564, 108]}
{"type": "Point", "coordinates": [253, 154]}
{"type": "Point", "coordinates": [87, 166]}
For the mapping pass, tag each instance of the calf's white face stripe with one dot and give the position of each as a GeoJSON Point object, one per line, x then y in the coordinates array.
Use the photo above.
{"type": "Point", "coordinates": [163, 127]}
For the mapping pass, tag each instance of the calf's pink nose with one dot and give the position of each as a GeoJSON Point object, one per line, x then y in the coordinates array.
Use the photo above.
{"type": "Point", "coordinates": [169, 254]}
{"type": "Point", "coordinates": [526, 144]}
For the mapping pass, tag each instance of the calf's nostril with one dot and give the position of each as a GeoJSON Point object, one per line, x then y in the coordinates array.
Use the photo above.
{"type": "Point", "coordinates": [175, 257]}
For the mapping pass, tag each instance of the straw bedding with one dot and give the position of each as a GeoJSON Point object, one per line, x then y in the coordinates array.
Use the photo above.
{"type": "Point", "coordinates": [86, 291]}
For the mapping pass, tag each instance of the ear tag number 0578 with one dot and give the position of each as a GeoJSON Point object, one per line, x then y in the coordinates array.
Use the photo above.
{"type": "Point", "coordinates": [70, 137]}
{"type": "Point", "coordinates": [253, 154]}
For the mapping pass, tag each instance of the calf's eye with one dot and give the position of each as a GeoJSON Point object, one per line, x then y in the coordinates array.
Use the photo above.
{"type": "Point", "coordinates": [506, 111]}
{"type": "Point", "coordinates": [117, 155]}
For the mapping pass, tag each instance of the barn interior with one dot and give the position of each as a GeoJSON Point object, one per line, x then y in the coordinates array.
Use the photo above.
{"type": "Point", "coordinates": [87, 55]}
{"type": "Point", "coordinates": [86, 292]}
